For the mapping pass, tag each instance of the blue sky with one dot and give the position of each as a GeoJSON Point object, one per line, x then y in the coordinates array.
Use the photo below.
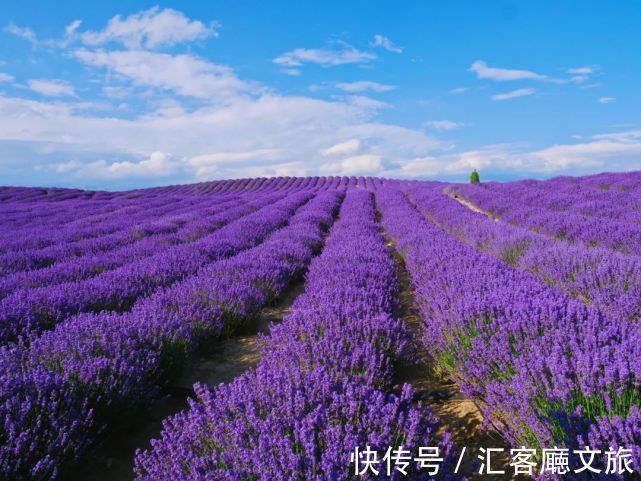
{"type": "Point", "coordinates": [128, 94]}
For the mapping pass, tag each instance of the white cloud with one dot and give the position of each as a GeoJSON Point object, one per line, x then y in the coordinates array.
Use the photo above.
{"type": "Point", "coordinates": [184, 74]}
{"type": "Point", "coordinates": [367, 103]}
{"type": "Point", "coordinates": [22, 32]}
{"type": "Point", "coordinates": [588, 70]}
{"type": "Point", "coordinates": [150, 29]}
{"type": "Point", "coordinates": [233, 128]}
{"type": "Point", "coordinates": [324, 57]}
{"type": "Point", "coordinates": [51, 88]}
{"type": "Point", "coordinates": [288, 135]}
{"type": "Point", "coordinates": [361, 164]}
{"type": "Point", "coordinates": [69, 166]}
{"type": "Point", "coordinates": [363, 86]}
{"type": "Point", "coordinates": [71, 29]}
{"type": "Point", "coordinates": [444, 124]}
{"type": "Point", "coordinates": [458, 90]}
{"type": "Point", "coordinates": [343, 148]}
{"type": "Point", "coordinates": [612, 152]}
{"type": "Point", "coordinates": [450, 165]}
{"type": "Point", "coordinates": [594, 153]}
{"type": "Point", "coordinates": [581, 74]}
{"type": "Point", "coordinates": [229, 157]}
{"type": "Point", "coordinates": [29, 35]}
{"type": "Point", "coordinates": [387, 44]}
{"type": "Point", "coordinates": [116, 92]}
{"type": "Point", "coordinates": [210, 164]}
{"type": "Point", "coordinates": [606, 100]}
{"type": "Point", "coordinates": [364, 164]}
{"type": "Point", "coordinates": [513, 94]}
{"type": "Point", "coordinates": [159, 164]}
{"type": "Point", "coordinates": [5, 77]}
{"type": "Point", "coordinates": [629, 136]}
{"type": "Point", "coordinates": [483, 71]}
{"type": "Point", "coordinates": [292, 71]}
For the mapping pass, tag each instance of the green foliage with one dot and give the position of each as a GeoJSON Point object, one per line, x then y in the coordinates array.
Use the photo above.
{"type": "Point", "coordinates": [474, 177]}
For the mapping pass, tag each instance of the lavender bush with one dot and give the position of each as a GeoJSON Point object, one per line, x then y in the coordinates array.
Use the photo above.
{"type": "Point", "coordinates": [532, 306]}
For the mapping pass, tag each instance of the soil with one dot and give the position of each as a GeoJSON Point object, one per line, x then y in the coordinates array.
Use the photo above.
{"type": "Point", "coordinates": [113, 459]}
{"type": "Point", "coordinates": [472, 207]}
{"type": "Point", "coordinates": [457, 413]}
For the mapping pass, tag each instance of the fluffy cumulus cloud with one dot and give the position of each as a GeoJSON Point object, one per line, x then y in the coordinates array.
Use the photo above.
{"type": "Point", "coordinates": [159, 164]}
{"type": "Point", "coordinates": [149, 29]}
{"type": "Point", "coordinates": [184, 74]}
{"type": "Point", "coordinates": [289, 136]}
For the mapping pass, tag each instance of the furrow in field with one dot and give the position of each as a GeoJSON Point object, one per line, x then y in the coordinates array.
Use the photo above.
{"type": "Point", "coordinates": [112, 459]}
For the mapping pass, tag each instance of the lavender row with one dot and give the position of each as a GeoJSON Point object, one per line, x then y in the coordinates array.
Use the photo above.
{"type": "Point", "coordinates": [115, 251]}
{"type": "Point", "coordinates": [71, 210]}
{"type": "Point", "coordinates": [319, 389]}
{"type": "Point", "coordinates": [15, 194]}
{"type": "Point", "coordinates": [83, 202]}
{"type": "Point", "coordinates": [28, 312]}
{"type": "Point", "coordinates": [622, 189]}
{"type": "Point", "coordinates": [25, 194]}
{"type": "Point", "coordinates": [254, 185]}
{"type": "Point", "coordinates": [609, 281]}
{"type": "Point", "coordinates": [23, 215]}
{"type": "Point", "coordinates": [96, 367]}
{"type": "Point", "coordinates": [545, 369]}
{"type": "Point", "coordinates": [602, 231]}
{"type": "Point", "coordinates": [123, 232]}
{"type": "Point", "coordinates": [579, 195]}
{"type": "Point", "coordinates": [43, 245]}
{"type": "Point", "coordinates": [41, 237]}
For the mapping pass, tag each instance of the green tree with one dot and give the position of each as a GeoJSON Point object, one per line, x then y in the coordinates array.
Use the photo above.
{"type": "Point", "coordinates": [474, 177]}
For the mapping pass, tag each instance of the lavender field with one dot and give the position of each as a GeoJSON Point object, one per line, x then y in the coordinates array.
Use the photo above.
{"type": "Point", "coordinates": [454, 317]}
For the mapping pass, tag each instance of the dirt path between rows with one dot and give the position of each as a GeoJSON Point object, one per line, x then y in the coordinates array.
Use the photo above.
{"type": "Point", "coordinates": [471, 206]}
{"type": "Point", "coordinates": [456, 412]}
{"type": "Point", "coordinates": [113, 459]}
